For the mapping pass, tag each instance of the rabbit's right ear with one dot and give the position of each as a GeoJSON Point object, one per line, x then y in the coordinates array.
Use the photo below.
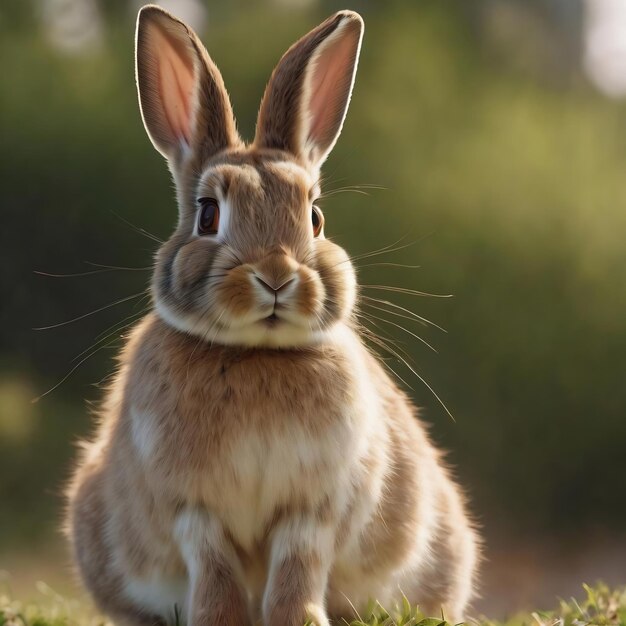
{"type": "Point", "coordinates": [307, 97]}
{"type": "Point", "coordinates": [183, 101]}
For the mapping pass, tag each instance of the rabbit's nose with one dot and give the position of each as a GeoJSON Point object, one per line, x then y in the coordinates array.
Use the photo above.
{"type": "Point", "coordinates": [273, 286]}
{"type": "Point", "coordinates": [275, 272]}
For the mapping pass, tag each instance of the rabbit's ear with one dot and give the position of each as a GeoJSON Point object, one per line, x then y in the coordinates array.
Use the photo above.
{"type": "Point", "coordinates": [306, 99]}
{"type": "Point", "coordinates": [182, 97]}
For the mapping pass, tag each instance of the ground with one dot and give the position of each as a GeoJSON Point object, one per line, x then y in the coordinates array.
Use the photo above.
{"type": "Point", "coordinates": [598, 606]}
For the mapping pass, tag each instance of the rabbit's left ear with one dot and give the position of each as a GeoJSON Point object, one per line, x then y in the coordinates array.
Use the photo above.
{"type": "Point", "coordinates": [307, 97]}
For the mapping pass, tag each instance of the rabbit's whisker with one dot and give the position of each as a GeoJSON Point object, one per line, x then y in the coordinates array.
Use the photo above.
{"type": "Point", "coordinates": [108, 340]}
{"type": "Point", "coordinates": [393, 247]}
{"type": "Point", "coordinates": [103, 270]}
{"type": "Point", "coordinates": [351, 188]}
{"type": "Point", "coordinates": [396, 343]}
{"type": "Point", "coordinates": [426, 384]}
{"type": "Point", "coordinates": [112, 330]}
{"type": "Point", "coordinates": [386, 250]}
{"type": "Point", "coordinates": [395, 352]}
{"type": "Point", "coordinates": [141, 231]}
{"type": "Point", "coordinates": [389, 264]}
{"type": "Point", "coordinates": [406, 330]}
{"type": "Point", "coordinates": [412, 314]}
{"type": "Point", "coordinates": [378, 308]}
{"type": "Point", "coordinates": [410, 292]}
{"type": "Point", "coordinates": [376, 340]}
{"type": "Point", "coordinates": [72, 370]}
{"type": "Point", "coordinates": [333, 192]}
{"type": "Point", "coordinates": [119, 267]}
{"type": "Point", "coordinates": [84, 315]}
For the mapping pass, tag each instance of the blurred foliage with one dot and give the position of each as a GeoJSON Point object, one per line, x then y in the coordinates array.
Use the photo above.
{"type": "Point", "coordinates": [500, 166]}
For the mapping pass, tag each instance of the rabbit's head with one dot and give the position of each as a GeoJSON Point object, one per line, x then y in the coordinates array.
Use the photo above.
{"type": "Point", "coordinates": [248, 263]}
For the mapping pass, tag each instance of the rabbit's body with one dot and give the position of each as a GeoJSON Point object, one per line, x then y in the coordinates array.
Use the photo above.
{"type": "Point", "coordinates": [253, 457]}
{"type": "Point", "coordinates": [256, 437]}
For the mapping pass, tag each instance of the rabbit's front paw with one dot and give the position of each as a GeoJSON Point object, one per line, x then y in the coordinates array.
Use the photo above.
{"type": "Point", "coordinates": [217, 596]}
{"type": "Point", "coordinates": [300, 556]}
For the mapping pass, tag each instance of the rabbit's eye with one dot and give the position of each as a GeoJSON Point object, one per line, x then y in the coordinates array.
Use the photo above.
{"type": "Point", "coordinates": [209, 217]}
{"type": "Point", "coordinates": [318, 221]}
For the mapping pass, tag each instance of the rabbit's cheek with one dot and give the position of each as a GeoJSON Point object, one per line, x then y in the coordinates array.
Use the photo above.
{"type": "Point", "coordinates": [235, 294]}
{"type": "Point", "coordinates": [337, 276]}
{"type": "Point", "coordinates": [191, 267]}
{"type": "Point", "coordinates": [311, 293]}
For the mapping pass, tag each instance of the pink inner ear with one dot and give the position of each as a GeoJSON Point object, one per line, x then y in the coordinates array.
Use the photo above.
{"type": "Point", "coordinates": [329, 88]}
{"type": "Point", "coordinates": [175, 83]}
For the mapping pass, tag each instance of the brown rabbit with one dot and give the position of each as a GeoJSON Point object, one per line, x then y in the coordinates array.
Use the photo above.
{"type": "Point", "coordinates": [253, 459]}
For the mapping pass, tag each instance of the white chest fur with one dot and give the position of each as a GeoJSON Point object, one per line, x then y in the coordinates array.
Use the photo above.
{"type": "Point", "coordinates": [255, 441]}
{"type": "Point", "coordinates": [252, 476]}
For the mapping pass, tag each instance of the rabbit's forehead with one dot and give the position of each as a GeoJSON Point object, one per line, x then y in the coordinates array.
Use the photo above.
{"type": "Point", "coordinates": [264, 202]}
{"type": "Point", "coordinates": [273, 182]}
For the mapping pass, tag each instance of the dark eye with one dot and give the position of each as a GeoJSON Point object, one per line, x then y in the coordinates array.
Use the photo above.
{"type": "Point", "coordinates": [209, 217]}
{"type": "Point", "coordinates": [318, 221]}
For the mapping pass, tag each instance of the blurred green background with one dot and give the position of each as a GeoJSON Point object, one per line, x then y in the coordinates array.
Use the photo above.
{"type": "Point", "coordinates": [499, 141]}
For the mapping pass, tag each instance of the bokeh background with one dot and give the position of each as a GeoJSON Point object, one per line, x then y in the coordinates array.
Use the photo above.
{"type": "Point", "coordinates": [487, 137]}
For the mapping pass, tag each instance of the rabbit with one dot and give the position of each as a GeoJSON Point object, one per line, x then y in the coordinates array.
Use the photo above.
{"type": "Point", "coordinates": [253, 460]}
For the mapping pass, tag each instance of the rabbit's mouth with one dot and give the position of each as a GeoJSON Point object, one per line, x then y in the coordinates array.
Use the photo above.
{"type": "Point", "coordinates": [272, 320]}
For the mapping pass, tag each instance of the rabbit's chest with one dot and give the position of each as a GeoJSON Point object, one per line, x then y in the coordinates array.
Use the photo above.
{"type": "Point", "coordinates": [250, 475]}
{"type": "Point", "coordinates": [262, 476]}
{"type": "Point", "coordinates": [248, 441]}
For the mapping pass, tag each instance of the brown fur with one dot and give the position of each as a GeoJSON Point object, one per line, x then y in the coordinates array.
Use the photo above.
{"type": "Point", "coordinates": [292, 584]}
{"type": "Point", "coordinates": [253, 458]}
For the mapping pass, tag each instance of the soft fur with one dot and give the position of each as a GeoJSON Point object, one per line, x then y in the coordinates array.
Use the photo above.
{"type": "Point", "coordinates": [253, 459]}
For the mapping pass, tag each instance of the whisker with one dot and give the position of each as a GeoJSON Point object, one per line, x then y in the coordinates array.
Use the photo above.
{"type": "Point", "coordinates": [140, 230]}
{"type": "Point", "coordinates": [119, 267]}
{"type": "Point", "coordinates": [425, 383]}
{"type": "Point", "coordinates": [375, 339]}
{"type": "Point", "coordinates": [333, 192]}
{"type": "Point", "coordinates": [406, 317]}
{"type": "Point", "coordinates": [147, 296]}
{"type": "Point", "coordinates": [113, 330]}
{"type": "Point", "coordinates": [103, 269]}
{"type": "Point", "coordinates": [410, 292]}
{"type": "Point", "coordinates": [75, 275]}
{"type": "Point", "coordinates": [386, 250]}
{"type": "Point", "coordinates": [353, 188]}
{"type": "Point", "coordinates": [72, 370]}
{"type": "Point", "coordinates": [389, 264]}
{"type": "Point", "coordinates": [396, 343]}
{"type": "Point", "coordinates": [406, 330]}
{"type": "Point", "coordinates": [414, 316]}
{"type": "Point", "coordinates": [80, 317]}
{"type": "Point", "coordinates": [393, 247]}
{"type": "Point", "coordinates": [360, 186]}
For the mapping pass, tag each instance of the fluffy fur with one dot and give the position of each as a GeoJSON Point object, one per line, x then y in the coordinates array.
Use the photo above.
{"type": "Point", "coordinates": [253, 459]}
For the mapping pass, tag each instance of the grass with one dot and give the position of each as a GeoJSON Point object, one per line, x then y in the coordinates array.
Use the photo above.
{"type": "Point", "coordinates": [599, 606]}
